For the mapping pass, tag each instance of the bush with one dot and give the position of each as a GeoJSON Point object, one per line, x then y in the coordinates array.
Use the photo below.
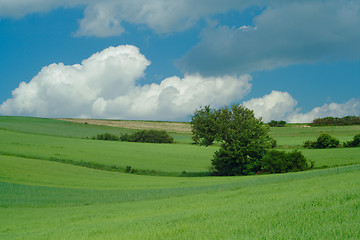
{"type": "Point", "coordinates": [274, 123]}
{"type": "Point", "coordinates": [230, 160]}
{"type": "Point", "coordinates": [107, 137]}
{"type": "Point", "coordinates": [281, 162]}
{"type": "Point", "coordinates": [148, 136]}
{"type": "Point", "coordinates": [353, 143]}
{"type": "Point", "coordinates": [323, 141]}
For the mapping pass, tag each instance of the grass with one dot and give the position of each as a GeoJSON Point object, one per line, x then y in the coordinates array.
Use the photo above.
{"type": "Point", "coordinates": [53, 127]}
{"type": "Point", "coordinates": [42, 199]}
{"type": "Point", "coordinates": [317, 204]}
{"type": "Point", "coordinates": [294, 135]}
{"type": "Point", "coordinates": [160, 157]}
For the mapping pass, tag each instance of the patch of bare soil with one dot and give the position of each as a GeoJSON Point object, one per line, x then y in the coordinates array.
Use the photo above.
{"type": "Point", "coordinates": [177, 127]}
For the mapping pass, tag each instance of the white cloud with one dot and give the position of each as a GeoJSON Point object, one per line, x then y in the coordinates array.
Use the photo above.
{"type": "Point", "coordinates": [349, 108]}
{"type": "Point", "coordinates": [162, 16]}
{"type": "Point", "coordinates": [104, 18]}
{"type": "Point", "coordinates": [282, 106]}
{"type": "Point", "coordinates": [274, 106]}
{"type": "Point", "coordinates": [104, 86]}
{"type": "Point", "coordinates": [20, 8]}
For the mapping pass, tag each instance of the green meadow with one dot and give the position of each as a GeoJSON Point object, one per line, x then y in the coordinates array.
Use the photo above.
{"type": "Point", "coordinates": [58, 183]}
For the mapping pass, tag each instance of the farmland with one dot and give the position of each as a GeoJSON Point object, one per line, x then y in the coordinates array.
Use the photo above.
{"type": "Point", "coordinates": [49, 188]}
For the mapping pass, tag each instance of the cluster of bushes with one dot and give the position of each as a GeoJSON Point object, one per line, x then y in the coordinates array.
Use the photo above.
{"type": "Point", "coordinates": [353, 143]}
{"type": "Point", "coordinates": [323, 141]}
{"type": "Point", "coordinates": [107, 137]}
{"type": "Point", "coordinates": [148, 136]}
{"type": "Point", "coordinates": [327, 141]}
{"type": "Point", "coordinates": [145, 136]}
{"type": "Point", "coordinates": [281, 162]}
{"type": "Point", "coordinates": [331, 121]}
{"type": "Point", "coordinates": [274, 123]}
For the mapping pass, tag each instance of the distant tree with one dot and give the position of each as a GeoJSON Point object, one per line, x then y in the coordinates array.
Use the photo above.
{"type": "Point", "coordinates": [243, 138]}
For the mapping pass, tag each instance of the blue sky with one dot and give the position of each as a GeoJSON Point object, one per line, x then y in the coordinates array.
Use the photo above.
{"type": "Point", "coordinates": [293, 61]}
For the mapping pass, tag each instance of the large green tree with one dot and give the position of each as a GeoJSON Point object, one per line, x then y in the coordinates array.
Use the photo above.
{"type": "Point", "coordinates": [243, 138]}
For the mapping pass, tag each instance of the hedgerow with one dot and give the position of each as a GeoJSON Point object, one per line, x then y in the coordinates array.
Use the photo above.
{"type": "Point", "coordinates": [274, 123]}
{"type": "Point", "coordinates": [148, 136]}
{"type": "Point", "coordinates": [335, 121]}
{"type": "Point", "coordinates": [107, 137]}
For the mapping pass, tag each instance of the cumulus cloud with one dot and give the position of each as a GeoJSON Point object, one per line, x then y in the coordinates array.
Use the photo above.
{"type": "Point", "coordinates": [282, 106]}
{"type": "Point", "coordinates": [274, 106]}
{"type": "Point", "coordinates": [104, 86]}
{"type": "Point", "coordinates": [349, 108]}
{"type": "Point", "coordinates": [281, 35]}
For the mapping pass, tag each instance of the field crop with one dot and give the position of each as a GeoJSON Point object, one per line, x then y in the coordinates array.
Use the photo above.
{"type": "Point", "coordinates": [44, 199]}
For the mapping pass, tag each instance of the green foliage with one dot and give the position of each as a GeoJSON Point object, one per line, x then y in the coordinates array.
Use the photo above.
{"type": "Point", "coordinates": [107, 137]}
{"type": "Point", "coordinates": [331, 121]}
{"type": "Point", "coordinates": [353, 143]}
{"type": "Point", "coordinates": [243, 137]}
{"type": "Point", "coordinates": [272, 143]}
{"type": "Point", "coordinates": [323, 141]}
{"type": "Point", "coordinates": [281, 162]}
{"type": "Point", "coordinates": [202, 123]}
{"type": "Point", "coordinates": [274, 123]}
{"type": "Point", "coordinates": [148, 136]}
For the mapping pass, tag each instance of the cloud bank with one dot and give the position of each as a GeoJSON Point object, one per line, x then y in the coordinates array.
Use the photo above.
{"type": "Point", "coordinates": [282, 33]}
{"type": "Point", "coordinates": [287, 34]}
{"type": "Point", "coordinates": [274, 106]}
{"type": "Point", "coordinates": [282, 106]}
{"type": "Point", "coordinates": [104, 86]}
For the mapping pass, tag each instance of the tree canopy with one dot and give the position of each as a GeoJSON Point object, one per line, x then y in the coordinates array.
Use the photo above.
{"type": "Point", "coordinates": [243, 138]}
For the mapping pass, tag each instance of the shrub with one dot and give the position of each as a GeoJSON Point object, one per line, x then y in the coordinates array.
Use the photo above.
{"type": "Point", "coordinates": [353, 143]}
{"type": "Point", "coordinates": [107, 137]}
{"type": "Point", "coordinates": [274, 123]}
{"type": "Point", "coordinates": [148, 136]}
{"type": "Point", "coordinates": [281, 162]}
{"type": "Point", "coordinates": [323, 141]}
{"type": "Point", "coordinates": [309, 144]}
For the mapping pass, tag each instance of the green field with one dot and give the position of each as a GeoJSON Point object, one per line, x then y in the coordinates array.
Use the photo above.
{"type": "Point", "coordinates": [45, 194]}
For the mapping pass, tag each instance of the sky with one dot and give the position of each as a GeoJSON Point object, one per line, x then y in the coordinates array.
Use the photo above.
{"type": "Point", "coordinates": [161, 60]}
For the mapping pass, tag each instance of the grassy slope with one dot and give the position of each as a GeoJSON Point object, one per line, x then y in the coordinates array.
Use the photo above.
{"type": "Point", "coordinates": [53, 127]}
{"type": "Point", "coordinates": [315, 204]}
{"type": "Point", "coordinates": [295, 135]}
{"type": "Point", "coordinates": [160, 157]}
{"type": "Point", "coordinates": [41, 199]}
